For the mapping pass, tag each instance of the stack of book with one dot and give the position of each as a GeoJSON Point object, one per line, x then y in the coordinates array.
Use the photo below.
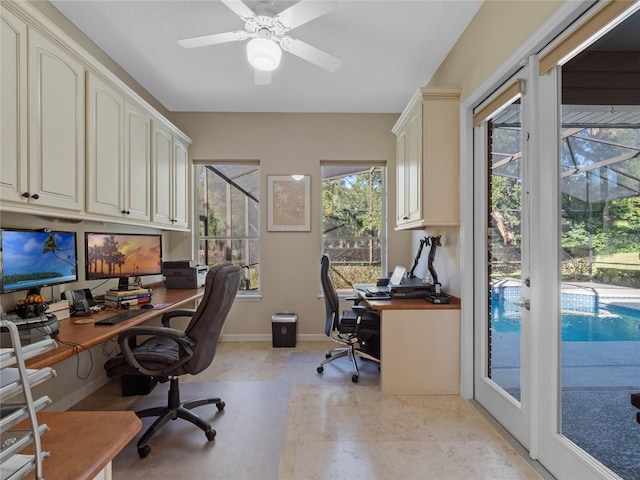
{"type": "Point", "coordinates": [116, 298]}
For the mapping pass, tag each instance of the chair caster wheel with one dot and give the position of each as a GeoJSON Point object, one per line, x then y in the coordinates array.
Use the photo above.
{"type": "Point", "coordinates": [354, 379]}
{"type": "Point", "coordinates": [320, 369]}
{"type": "Point", "coordinates": [220, 406]}
{"type": "Point", "coordinates": [144, 451]}
{"type": "Point", "coordinates": [211, 434]}
{"type": "Point", "coordinates": [327, 355]}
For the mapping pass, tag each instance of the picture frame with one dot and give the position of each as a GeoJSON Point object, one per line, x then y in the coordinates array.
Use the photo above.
{"type": "Point", "coordinates": [288, 203]}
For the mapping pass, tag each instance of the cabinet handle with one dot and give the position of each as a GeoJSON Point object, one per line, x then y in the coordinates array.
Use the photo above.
{"type": "Point", "coordinates": [35, 196]}
{"type": "Point", "coordinates": [125, 212]}
{"type": "Point", "coordinates": [405, 218]}
{"type": "Point", "coordinates": [26, 194]}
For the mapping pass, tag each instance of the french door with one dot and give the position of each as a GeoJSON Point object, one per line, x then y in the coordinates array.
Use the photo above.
{"type": "Point", "coordinates": [556, 194]}
{"type": "Point", "coordinates": [501, 257]}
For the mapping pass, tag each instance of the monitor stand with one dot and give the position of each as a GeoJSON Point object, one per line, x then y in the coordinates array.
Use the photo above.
{"type": "Point", "coordinates": [123, 284]}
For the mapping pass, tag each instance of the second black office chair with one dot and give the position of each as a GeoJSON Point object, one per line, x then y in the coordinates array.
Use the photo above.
{"type": "Point", "coordinates": [170, 352]}
{"type": "Point", "coordinates": [357, 330]}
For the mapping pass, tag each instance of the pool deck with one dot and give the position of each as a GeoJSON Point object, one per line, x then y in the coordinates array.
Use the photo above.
{"type": "Point", "coordinates": [598, 378]}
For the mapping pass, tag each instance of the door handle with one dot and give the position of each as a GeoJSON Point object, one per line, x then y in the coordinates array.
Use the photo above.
{"type": "Point", "coordinates": [525, 303]}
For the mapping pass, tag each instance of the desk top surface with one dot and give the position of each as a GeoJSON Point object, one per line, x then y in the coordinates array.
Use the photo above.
{"type": "Point", "coordinates": [73, 338]}
{"type": "Point", "coordinates": [408, 304]}
{"type": "Point", "coordinates": [81, 444]}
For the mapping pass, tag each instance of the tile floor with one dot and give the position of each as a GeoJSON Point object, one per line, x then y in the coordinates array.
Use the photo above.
{"type": "Point", "coordinates": [284, 421]}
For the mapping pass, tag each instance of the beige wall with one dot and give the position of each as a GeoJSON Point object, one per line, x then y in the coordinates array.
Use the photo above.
{"type": "Point", "coordinates": [286, 143]}
{"type": "Point", "coordinates": [496, 32]}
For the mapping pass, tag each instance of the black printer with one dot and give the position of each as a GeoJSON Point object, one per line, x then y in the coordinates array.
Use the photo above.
{"type": "Point", "coordinates": [184, 274]}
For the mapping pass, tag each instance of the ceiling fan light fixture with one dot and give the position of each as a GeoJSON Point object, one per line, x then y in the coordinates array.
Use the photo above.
{"type": "Point", "coordinates": [264, 54]}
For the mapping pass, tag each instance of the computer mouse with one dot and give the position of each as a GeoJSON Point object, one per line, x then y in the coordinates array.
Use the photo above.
{"type": "Point", "coordinates": [146, 306]}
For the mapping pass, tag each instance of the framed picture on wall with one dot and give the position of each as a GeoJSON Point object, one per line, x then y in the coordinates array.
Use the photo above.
{"type": "Point", "coordinates": [289, 203]}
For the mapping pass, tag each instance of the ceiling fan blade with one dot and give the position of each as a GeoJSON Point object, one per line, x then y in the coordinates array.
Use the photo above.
{"type": "Point", "coordinates": [261, 77]}
{"type": "Point", "coordinates": [310, 54]}
{"type": "Point", "coordinates": [239, 8]}
{"type": "Point", "coordinates": [213, 39]}
{"type": "Point", "coordinates": [304, 11]}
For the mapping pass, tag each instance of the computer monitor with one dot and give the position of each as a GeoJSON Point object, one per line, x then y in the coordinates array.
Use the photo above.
{"type": "Point", "coordinates": [32, 259]}
{"type": "Point", "coordinates": [122, 255]}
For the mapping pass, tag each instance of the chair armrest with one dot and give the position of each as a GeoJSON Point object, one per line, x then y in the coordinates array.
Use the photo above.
{"type": "Point", "coordinates": [182, 312]}
{"type": "Point", "coordinates": [359, 311]}
{"type": "Point", "coordinates": [126, 341]}
{"type": "Point", "coordinates": [356, 299]}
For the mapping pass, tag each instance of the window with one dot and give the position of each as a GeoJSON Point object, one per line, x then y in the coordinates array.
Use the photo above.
{"type": "Point", "coordinates": [229, 218]}
{"type": "Point", "coordinates": [353, 220]}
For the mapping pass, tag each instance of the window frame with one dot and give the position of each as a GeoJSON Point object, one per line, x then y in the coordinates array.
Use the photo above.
{"type": "Point", "coordinates": [232, 236]}
{"type": "Point", "coordinates": [382, 238]}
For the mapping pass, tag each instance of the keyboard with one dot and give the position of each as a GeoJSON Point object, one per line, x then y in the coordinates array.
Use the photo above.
{"type": "Point", "coordinates": [119, 317]}
{"type": "Point", "coordinates": [378, 291]}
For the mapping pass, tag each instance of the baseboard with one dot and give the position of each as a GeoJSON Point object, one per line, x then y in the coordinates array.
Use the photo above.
{"type": "Point", "coordinates": [266, 337]}
{"type": "Point", "coordinates": [74, 397]}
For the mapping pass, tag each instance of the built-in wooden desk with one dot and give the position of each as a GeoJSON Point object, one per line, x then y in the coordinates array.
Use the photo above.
{"type": "Point", "coordinates": [419, 346]}
{"type": "Point", "coordinates": [89, 335]}
{"type": "Point", "coordinates": [83, 444]}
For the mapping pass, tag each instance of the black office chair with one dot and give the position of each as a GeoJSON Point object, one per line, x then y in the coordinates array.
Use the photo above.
{"type": "Point", "coordinates": [358, 329]}
{"type": "Point", "coordinates": [170, 352]}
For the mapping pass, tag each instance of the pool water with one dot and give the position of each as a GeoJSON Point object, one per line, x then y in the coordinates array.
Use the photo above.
{"type": "Point", "coordinates": [609, 324]}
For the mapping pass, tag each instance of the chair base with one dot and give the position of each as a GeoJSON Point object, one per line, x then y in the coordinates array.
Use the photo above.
{"type": "Point", "coordinates": [351, 352]}
{"type": "Point", "coordinates": [175, 409]}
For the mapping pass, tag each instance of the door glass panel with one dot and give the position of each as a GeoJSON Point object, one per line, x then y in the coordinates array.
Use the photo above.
{"type": "Point", "coordinates": [503, 362]}
{"type": "Point", "coordinates": [600, 246]}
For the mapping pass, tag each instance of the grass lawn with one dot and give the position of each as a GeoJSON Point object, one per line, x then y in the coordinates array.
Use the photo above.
{"type": "Point", "coordinates": [626, 261]}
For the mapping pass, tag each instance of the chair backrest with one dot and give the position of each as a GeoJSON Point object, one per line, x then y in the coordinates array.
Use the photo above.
{"type": "Point", "coordinates": [221, 286]}
{"type": "Point", "coordinates": [331, 299]}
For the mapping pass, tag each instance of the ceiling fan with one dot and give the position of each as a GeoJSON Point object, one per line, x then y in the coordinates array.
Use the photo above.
{"type": "Point", "coordinates": [268, 36]}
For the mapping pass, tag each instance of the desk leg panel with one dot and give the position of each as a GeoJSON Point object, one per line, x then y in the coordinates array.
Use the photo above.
{"type": "Point", "coordinates": [420, 352]}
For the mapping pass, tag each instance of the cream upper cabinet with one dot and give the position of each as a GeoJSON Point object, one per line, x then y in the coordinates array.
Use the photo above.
{"type": "Point", "coordinates": [137, 156]}
{"type": "Point", "coordinates": [170, 178]}
{"type": "Point", "coordinates": [180, 184]}
{"type": "Point", "coordinates": [118, 153]}
{"type": "Point", "coordinates": [56, 114]}
{"type": "Point", "coordinates": [105, 148]}
{"type": "Point", "coordinates": [13, 103]}
{"type": "Point", "coordinates": [42, 152]}
{"type": "Point", "coordinates": [427, 160]}
{"type": "Point", "coordinates": [59, 107]}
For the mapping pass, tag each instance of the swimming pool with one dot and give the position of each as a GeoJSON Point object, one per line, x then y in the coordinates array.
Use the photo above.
{"type": "Point", "coordinates": [584, 318]}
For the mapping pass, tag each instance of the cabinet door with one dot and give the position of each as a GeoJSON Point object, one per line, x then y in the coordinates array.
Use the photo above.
{"type": "Point", "coordinates": [180, 185]}
{"type": "Point", "coordinates": [105, 149]}
{"type": "Point", "coordinates": [413, 167]}
{"type": "Point", "coordinates": [56, 126]}
{"type": "Point", "coordinates": [13, 103]}
{"type": "Point", "coordinates": [161, 152]}
{"type": "Point", "coordinates": [401, 175]}
{"type": "Point", "coordinates": [137, 172]}
{"type": "Point", "coordinates": [409, 169]}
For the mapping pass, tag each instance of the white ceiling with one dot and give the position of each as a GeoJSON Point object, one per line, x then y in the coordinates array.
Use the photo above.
{"type": "Point", "coordinates": [389, 48]}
